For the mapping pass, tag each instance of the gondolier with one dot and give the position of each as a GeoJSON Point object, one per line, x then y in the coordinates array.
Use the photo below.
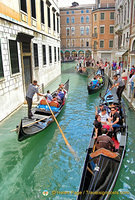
{"type": "Point", "coordinates": [32, 89]}
{"type": "Point", "coordinates": [120, 84]}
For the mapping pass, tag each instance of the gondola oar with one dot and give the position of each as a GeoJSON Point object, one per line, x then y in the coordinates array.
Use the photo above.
{"type": "Point", "coordinates": [65, 139]}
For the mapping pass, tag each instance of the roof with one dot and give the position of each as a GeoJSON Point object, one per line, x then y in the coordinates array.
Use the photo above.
{"type": "Point", "coordinates": [83, 6]}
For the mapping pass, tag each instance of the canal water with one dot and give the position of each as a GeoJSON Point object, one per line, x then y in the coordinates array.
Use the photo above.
{"type": "Point", "coordinates": [43, 163]}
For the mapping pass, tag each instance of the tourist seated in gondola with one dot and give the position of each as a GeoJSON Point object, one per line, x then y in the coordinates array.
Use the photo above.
{"type": "Point", "coordinates": [104, 116]}
{"type": "Point", "coordinates": [97, 126]}
{"type": "Point", "coordinates": [80, 69]}
{"type": "Point", "coordinates": [49, 96]}
{"type": "Point", "coordinates": [104, 141]}
{"type": "Point", "coordinates": [115, 119]}
{"type": "Point", "coordinates": [101, 106]}
{"type": "Point", "coordinates": [100, 80]}
{"type": "Point", "coordinates": [94, 83]}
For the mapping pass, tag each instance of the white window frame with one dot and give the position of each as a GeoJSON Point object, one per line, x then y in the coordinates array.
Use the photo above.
{"type": "Point", "coordinates": [103, 43]}
{"type": "Point", "coordinates": [102, 26]}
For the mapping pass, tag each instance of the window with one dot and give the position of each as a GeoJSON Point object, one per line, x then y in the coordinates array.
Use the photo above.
{"type": "Point", "coordinates": [73, 43]}
{"type": "Point", "coordinates": [67, 12]}
{"type": "Point", "coordinates": [54, 28]}
{"type": "Point", "coordinates": [102, 16]}
{"type": "Point", "coordinates": [95, 30]}
{"type": "Point", "coordinates": [87, 44]}
{"type": "Point", "coordinates": [87, 11]}
{"type": "Point", "coordinates": [57, 24]}
{"type": "Point", "coordinates": [87, 30]}
{"type": "Point", "coordinates": [82, 19]}
{"type": "Point", "coordinates": [111, 43]}
{"type": "Point", "coordinates": [73, 20]}
{"type": "Point", "coordinates": [82, 43]}
{"type": "Point", "coordinates": [102, 29]}
{"type": "Point", "coordinates": [49, 19]}
{"type": "Point", "coordinates": [42, 11]}
{"type": "Point", "coordinates": [67, 20]}
{"type": "Point", "coordinates": [111, 15]}
{"type": "Point", "coordinates": [14, 56]}
{"type": "Point", "coordinates": [58, 53]}
{"type": "Point", "coordinates": [23, 5]}
{"type": "Point", "coordinates": [95, 44]}
{"type": "Point", "coordinates": [101, 43]}
{"type": "Point", "coordinates": [95, 17]}
{"type": "Point", "coordinates": [33, 9]}
{"type": "Point", "coordinates": [1, 64]}
{"type": "Point", "coordinates": [68, 31]}
{"type": "Point", "coordinates": [44, 54]}
{"type": "Point", "coordinates": [82, 11]}
{"type": "Point", "coordinates": [87, 19]}
{"type": "Point", "coordinates": [50, 54]}
{"type": "Point", "coordinates": [73, 30]}
{"type": "Point", "coordinates": [81, 30]}
{"type": "Point", "coordinates": [35, 54]}
{"type": "Point", "coordinates": [68, 43]}
{"type": "Point", "coordinates": [55, 59]}
{"type": "Point", "coordinates": [72, 12]}
{"type": "Point", "coordinates": [111, 29]}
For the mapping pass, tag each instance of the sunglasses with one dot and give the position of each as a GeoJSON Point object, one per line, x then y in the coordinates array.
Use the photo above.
{"type": "Point", "coordinates": [112, 110]}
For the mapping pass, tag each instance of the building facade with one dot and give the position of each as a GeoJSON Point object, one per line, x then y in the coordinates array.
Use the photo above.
{"type": "Point", "coordinates": [29, 48]}
{"type": "Point", "coordinates": [76, 31]}
{"type": "Point", "coordinates": [103, 17]}
{"type": "Point", "coordinates": [123, 23]}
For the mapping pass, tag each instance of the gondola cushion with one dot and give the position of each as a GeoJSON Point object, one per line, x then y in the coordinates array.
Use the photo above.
{"type": "Point", "coordinates": [54, 109]}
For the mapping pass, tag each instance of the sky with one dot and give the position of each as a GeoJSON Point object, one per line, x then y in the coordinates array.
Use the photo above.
{"type": "Point", "coordinates": [64, 3]}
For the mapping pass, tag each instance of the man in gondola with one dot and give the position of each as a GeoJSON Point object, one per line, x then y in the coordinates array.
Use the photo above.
{"type": "Point", "coordinates": [32, 89]}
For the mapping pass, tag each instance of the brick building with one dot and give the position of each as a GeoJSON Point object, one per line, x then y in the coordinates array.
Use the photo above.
{"type": "Point", "coordinates": [29, 48]}
{"type": "Point", "coordinates": [103, 16]}
{"type": "Point", "coordinates": [76, 30]}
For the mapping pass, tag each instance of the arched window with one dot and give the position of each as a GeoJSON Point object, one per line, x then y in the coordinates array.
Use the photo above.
{"type": "Point", "coordinates": [87, 19]}
{"type": "Point", "coordinates": [73, 20]}
{"type": "Point", "coordinates": [67, 20]}
{"type": "Point", "coordinates": [82, 19]}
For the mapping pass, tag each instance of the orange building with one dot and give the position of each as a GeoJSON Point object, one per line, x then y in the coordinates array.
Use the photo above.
{"type": "Point", "coordinates": [103, 17]}
{"type": "Point", "coordinates": [76, 30]}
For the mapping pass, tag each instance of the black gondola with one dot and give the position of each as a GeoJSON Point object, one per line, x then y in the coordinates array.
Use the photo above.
{"type": "Point", "coordinates": [42, 118]}
{"type": "Point", "coordinates": [91, 89]}
{"type": "Point", "coordinates": [102, 167]}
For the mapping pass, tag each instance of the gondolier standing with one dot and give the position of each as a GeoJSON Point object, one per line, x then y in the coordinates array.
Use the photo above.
{"type": "Point", "coordinates": [32, 89]}
{"type": "Point", "coordinates": [118, 82]}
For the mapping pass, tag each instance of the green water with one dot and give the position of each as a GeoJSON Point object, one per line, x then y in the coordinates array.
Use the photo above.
{"type": "Point", "coordinates": [44, 162]}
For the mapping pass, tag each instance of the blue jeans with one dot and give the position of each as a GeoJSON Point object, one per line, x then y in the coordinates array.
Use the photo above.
{"type": "Point", "coordinates": [116, 126]}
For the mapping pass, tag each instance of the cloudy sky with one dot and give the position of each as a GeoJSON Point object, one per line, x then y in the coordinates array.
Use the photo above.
{"type": "Point", "coordinates": [63, 3]}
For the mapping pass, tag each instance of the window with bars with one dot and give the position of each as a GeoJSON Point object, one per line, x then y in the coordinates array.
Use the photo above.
{"type": "Point", "coordinates": [42, 11]}
{"type": "Point", "coordinates": [101, 43]}
{"type": "Point", "coordinates": [49, 17]}
{"type": "Point", "coordinates": [33, 9]}
{"type": "Point", "coordinates": [23, 5]}
{"type": "Point", "coordinates": [111, 15]}
{"type": "Point", "coordinates": [55, 58]}
{"type": "Point", "coordinates": [102, 16]}
{"type": "Point", "coordinates": [102, 29]}
{"type": "Point", "coordinates": [50, 54]}
{"type": "Point", "coordinates": [111, 44]}
{"type": "Point", "coordinates": [14, 56]}
{"type": "Point", "coordinates": [1, 63]}
{"type": "Point", "coordinates": [35, 47]}
{"type": "Point", "coordinates": [44, 54]}
{"type": "Point", "coordinates": [111, 29]}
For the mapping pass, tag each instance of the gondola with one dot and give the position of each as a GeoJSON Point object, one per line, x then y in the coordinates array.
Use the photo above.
{"type": "Point", "coordinates": [41, 119]}
{"type": "Point", "coordinates": [101, 167]}
{"type": "Point", "coordinates": [92, 90]}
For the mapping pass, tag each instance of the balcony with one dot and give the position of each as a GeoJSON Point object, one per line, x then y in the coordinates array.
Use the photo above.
{"type": "Point", "coordinates": [94, 35]}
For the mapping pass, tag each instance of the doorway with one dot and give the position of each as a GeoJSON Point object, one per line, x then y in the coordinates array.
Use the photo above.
{"type": "Point", "coordinates": [27, 71]}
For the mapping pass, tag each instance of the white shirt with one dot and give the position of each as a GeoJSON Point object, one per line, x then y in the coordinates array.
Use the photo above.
{"type": "Point", "coordinates": [104, 117]}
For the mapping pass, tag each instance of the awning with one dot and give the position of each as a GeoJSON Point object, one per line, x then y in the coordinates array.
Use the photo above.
{"type": "Point", "coordinates": [121, 53]}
